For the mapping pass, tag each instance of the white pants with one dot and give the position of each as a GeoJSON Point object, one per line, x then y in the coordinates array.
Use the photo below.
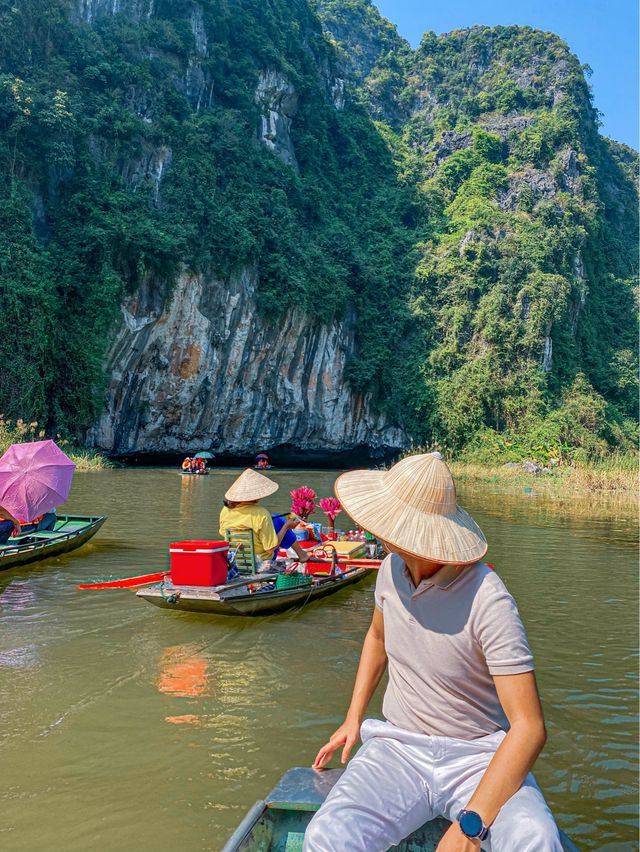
{"type": "Point", "coordinates": [399, 780]}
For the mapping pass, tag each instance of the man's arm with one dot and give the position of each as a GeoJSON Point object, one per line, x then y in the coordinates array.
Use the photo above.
{"type": "Point", "coordinates": [373, 662]}
{"type": "Point", "coordinates": [513, 759]}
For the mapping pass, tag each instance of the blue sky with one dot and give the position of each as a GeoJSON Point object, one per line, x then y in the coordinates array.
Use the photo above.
{"type": "Point", "coordinates": [603, 34]}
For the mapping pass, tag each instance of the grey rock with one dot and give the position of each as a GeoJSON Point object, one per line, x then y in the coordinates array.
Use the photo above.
{"type": "Point", "coordinates": [202, 367]}
{"type": "Point", "coordinates": [531, 467]}
{"type": "Point", "coordinates": [150, 165]}
{"type": "Point", "coordinates": [89, 10]}
{"type": "Point", "coordinates": [540, 183]}
{"type": "Point", "coordinates": [451, 141]}
{"type": "Point", "coordinates": [505, 125]}
{"type": "Point", "coordinates": [278, 102]}
{"type": "Point", "coordinates": [547, 356]}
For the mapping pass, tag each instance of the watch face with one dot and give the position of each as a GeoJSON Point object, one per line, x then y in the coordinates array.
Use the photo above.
{"type": "Point", "coordinates": [471, 824]}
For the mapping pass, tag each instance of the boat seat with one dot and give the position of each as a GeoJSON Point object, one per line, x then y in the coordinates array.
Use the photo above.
{"type": "Point", "coordinates": [241, 541]}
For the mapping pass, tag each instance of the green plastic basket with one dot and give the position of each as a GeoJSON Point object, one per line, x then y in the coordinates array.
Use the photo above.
{"type": "Point", "coordinates": [291, 581]}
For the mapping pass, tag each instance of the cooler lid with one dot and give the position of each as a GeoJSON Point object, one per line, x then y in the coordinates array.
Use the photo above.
{"type": "Point", "coordinates": [199, 545]}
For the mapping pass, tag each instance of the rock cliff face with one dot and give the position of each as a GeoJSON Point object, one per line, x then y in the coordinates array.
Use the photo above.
{"type": "Point", "coordinates": [202, 369]}
{"type": "Point", "coordinates": [278, 102]}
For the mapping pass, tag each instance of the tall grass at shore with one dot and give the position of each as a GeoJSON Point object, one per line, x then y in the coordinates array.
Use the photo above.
{"type": "Point", "coordinates": [616, 475]}
{"type": "Point", "coordinates": [20, 432]}
{"type": "Point", "coordinates": [555, 474]}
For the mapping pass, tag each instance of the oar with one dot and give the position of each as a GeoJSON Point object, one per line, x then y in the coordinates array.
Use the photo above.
{"type": "Point", "coordinates": [126, 582]}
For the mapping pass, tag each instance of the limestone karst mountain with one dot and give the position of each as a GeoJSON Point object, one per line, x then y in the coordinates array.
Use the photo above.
{"type": "Point", "coordinates": [274, 223]}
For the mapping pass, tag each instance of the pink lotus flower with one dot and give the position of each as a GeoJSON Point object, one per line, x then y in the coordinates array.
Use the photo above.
{"type": "Point", "coordinates": [303, 501]}
{"type": "Point", "coordinates": [331, 507]}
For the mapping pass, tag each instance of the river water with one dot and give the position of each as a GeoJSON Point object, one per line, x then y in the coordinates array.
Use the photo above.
{"type": "Point", "coordinates": [123, 726]}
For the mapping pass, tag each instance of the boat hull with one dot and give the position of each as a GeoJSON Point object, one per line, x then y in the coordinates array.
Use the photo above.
{"type": "Point", "coordinates": [71, 532]}
{"type": "Point", "coordinates": [279, 821]}
{"type": "Point", "coordinates": [214, 602]}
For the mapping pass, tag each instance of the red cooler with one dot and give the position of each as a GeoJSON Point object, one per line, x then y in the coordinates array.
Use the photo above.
{"type": "Point", "coordinates": [198, 563]}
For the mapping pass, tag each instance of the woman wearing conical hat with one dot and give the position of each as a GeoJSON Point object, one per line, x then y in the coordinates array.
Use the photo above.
{"type": "Point", "coordinates": [242, 511]}
{"type": "Point", "coordinates": [463, 723]}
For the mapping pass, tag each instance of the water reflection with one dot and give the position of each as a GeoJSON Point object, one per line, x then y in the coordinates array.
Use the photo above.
{"type": "Point", "coordinates": [183, 672]}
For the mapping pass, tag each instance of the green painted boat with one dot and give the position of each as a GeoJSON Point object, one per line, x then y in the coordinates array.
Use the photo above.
{"type": "Point", "coordinates": [278, 823]}
{"type": "Point", "coordinates": [70, 532]}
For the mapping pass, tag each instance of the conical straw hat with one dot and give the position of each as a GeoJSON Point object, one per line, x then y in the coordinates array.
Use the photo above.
{"type": "Point", "coordinates": [413, 506]}
{"type": "Point", "coordinates": [251, 485]}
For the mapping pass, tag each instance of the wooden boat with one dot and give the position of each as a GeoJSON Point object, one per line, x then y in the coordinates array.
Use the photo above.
{"type": "Point", "coordinates": [204, 472]}
{"type": "Point", "coordinates": [235, 598]}
{"type": "Point", "coordinates": [70, 532]}
{"type": "Point", "coordinates": [279, 821]}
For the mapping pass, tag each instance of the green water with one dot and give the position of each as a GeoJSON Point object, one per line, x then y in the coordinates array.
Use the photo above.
{"type": "Point", "coordinates": [125, 727]}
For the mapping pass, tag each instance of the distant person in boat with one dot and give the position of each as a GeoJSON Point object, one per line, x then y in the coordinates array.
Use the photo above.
{"type": "Point", "coordinates": [464, 724]}
{"type": "Point", "coordinates": [200, 465]}
{"type": "Point", "coordinates": [241, 511]}
{"type": "Point", "coordinates": [187, 465]}
{"type": "Point", "coordinates": [8, 525]}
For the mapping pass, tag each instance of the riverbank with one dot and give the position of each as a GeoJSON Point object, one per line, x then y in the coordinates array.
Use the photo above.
{"type": "Point", "coordinates": [614, 478]}
{"type": "Point", "coordinates": [18, 432]}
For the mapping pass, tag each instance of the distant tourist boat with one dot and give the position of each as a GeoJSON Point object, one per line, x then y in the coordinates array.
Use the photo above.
{"type": "Point", "coordinates": [280, 821]}
{"type": "Point", "coordinates": [69, 533]}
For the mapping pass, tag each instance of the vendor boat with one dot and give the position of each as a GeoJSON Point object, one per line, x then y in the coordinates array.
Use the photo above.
{"type": "Point", "coordinates": [203, 472]}
{"type": "Point", "coordinates": [69, 533]}
{"type": "Point", "coordinates": [256, 594]}
{"type": "Point", "coordinates": [278, 823]}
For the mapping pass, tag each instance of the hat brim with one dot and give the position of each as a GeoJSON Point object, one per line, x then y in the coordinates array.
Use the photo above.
{"type": "Point", "coordinates": [454, 538]}
{"type": "Point", "coordinates": [241, 492]}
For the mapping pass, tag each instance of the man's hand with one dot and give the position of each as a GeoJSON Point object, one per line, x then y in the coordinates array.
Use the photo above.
{"type": "Point", "coordinates": [17, 529]}
{"type": "Point", "coordinates": [346, 736]}
{"type": "Point", "coordinates": [455, 841]}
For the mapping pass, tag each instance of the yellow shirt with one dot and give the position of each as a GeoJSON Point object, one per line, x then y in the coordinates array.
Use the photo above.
{"type": "Point", "coordinates": [251, 517]}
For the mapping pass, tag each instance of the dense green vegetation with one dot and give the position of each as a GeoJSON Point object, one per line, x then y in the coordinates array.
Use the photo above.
{"type": "Point", "coordinates": [532, 246]}
{"type": "Point", "coordinates": [462, 206]}
{"type": "Point", "coordinates": [80, 106]}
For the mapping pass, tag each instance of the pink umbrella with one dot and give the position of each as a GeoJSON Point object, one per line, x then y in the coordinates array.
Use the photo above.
{"type": "Point", "coordinates": [34, 479]}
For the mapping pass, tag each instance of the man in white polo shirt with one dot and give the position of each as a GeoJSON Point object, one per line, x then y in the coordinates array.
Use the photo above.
{"type": "Point", "coordinates": [463, 723]}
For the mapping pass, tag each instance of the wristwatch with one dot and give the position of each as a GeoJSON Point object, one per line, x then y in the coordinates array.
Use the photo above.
{"type": "Point", "coordinates": [472, 826]}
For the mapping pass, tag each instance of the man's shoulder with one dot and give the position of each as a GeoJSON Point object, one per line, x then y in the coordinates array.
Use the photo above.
{"type": "Point", "coordinates": [488, 589]}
